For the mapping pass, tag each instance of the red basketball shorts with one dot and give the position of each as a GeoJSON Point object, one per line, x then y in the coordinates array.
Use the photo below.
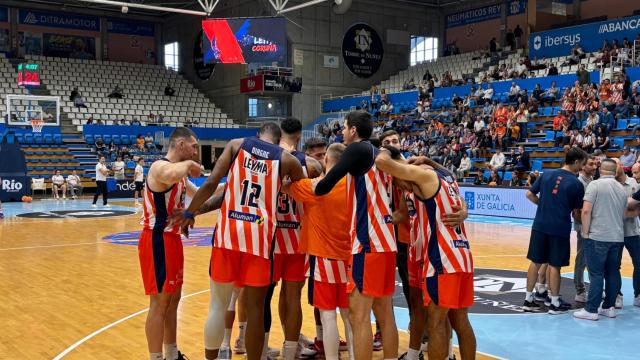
{"type": "Point", "coordinates": [373, 274]}
{"type": "Point", "coordinates": [453, 291]}
{"type": "Point", "coordinates": [230, 266]}
{"type": "Point", "coordinates": [414, 269]}
{"type": "Point", "coordinates": [161, 261]}
{"type": "Point", "coordinates": [289, 267]}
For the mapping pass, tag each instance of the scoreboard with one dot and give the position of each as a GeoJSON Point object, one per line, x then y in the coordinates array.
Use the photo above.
{"type": "Point", "coordinates": [28, 75]}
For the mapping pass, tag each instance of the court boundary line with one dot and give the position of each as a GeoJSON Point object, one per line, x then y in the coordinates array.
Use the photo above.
{"type": "Point", "coordinates": [51, 246]}
{"type": "Point", "coordinates": [66, 351]}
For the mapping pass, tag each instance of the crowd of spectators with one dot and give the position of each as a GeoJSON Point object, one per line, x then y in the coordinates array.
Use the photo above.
{"type": "Point", "coordinates": [476, 127]}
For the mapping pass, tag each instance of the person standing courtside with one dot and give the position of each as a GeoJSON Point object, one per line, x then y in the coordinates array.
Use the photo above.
{"type": "Point", "coordinates": [585, 177]}
{"type": "Point", "coordinates": [138, 179]}
{"type": "Point", "coordinates": [160, 247]}
{"type": "Point", "coordinates": [603, 211]}
{"type": "Point", "coordinates": [372, 271]}
{"type": "Point", "coordinates": [101, 182]}
{"type": "Point", "coordinates": [558, 194]}
{"type": "Point", "coordinates": [243, 239]}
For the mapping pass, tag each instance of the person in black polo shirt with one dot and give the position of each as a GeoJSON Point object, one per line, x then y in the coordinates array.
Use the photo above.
{"type": "Point", "coordinates": [558, 194]}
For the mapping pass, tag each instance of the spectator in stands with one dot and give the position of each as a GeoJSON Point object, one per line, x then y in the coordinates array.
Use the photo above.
{"type": "Point", "coordinates": [488, 93]}
{"type": "Point", "coordinates": [79, 102]}
{"type": "Point", "coordinates": [112, 148]}
{"type": "Point", "coordinates": [118, 168]}
{"type": "Point", "coordinates": [553, 70]}
{"type": "Point", "coordinates": [57, 184]}
{"type": "Point", "coordinates": [531, 179]}
{"type": "Point", "coordinates": [135, 122]}
{"type": "Point", "coordinates": [123, 152]}
{"type": "Point", "coordinates": [116, 92]}
{"type": "Point", "coordinates": [90, 120]}
{"type": "Point", "coordinates": [427, 77]}
{"type": "Point", "coordinates": [510, 39]}
{"type": "Point", "coordinates": [74, 94]}
{"type": "Point", "coordinates": [602, 140]}
{"type": "Point", "coordinates": [100, 122]}
{"type": "Point", "coordinates": [514, 92]}
{"type": "Point", "coordinates": [100, 146]}
{"type": "Point", "coordinates": [517, 33]}
{"type": "Point", "coordinates": [149, 143]}
{"type": "Point", "coordinates": [558, 120]}
{"type": "Point", "coordinates": [493, 46]}
{"type": "Point", "coordinates": [635, 100]}
{"type": "Point", "coordinates": [169, 91]}
{"type": "Point", "coordinates": [74, 183]}
{"type": "Point", "coordinates": [478, 125]}
{"type": "Point", "coordinates": [123, 122]}
{"type": "Point", "coordinates": [485, 143]}
{"type": "Point", "coordinates": [583, 75]}
{"type": "Point", "coordinates": [588, 141]}
{"type": "Point", "coordinates": [515, 180]}
{"type": "Point", "coordinates": [604, 92]}
{"type": "Point", "coordinates": [522, 119]}
{"type": "Point", "coordinates": [494, 179]}
{"type": "Point", "coordinates": [521, 70]}
{"type": "Point", "coordinates": [497, 161]}
{"type": "Point", "coordinates": [592, 120]}
{"type": "Point", "coordinates": [465, 165]}
{"type": "Point", "coordinates": [627, 158]}
{"type": "Point", "coordinates": [383, 95]}
{"type": "Point", "coordinates": [523, 163]}
{"type": "Point", "coordinates": [140, 142]}
{"type": "Point", "coordinates": [537, 93]}
{"type": "Point", "coordinates": [607, 120]}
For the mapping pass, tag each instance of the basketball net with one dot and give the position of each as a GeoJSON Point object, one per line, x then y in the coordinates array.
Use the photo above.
{"type": "Point", "coordinates": [36, 125]}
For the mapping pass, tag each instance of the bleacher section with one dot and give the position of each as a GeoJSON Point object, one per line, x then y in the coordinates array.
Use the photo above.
{"type": "Point", "coordinates": [143, 89]}
{"type": "Point", "coordinates": [8, 84]}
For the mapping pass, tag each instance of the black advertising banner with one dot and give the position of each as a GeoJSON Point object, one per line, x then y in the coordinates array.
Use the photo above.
{"type": "Point", "coordinates": [362, 50]}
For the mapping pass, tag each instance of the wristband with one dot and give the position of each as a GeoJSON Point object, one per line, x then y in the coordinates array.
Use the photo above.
{"type": "Point", "coordinates": [188, 215]}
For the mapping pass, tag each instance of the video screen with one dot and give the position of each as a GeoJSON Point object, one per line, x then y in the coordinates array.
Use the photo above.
{"type": "Point", "coordinates": [245, 41]}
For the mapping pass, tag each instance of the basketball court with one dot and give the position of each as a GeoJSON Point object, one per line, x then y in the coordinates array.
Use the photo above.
{"type": "Point", "coordinates": [73, 290]}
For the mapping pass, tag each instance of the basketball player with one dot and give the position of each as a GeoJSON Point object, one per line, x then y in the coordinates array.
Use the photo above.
{"type": "Point", "coordinates": [329, 249]}
{"type": "Point", "coordinates": [288, 262]}
{"type": "Point", "coordinates": [372, 272]}
{"type": "Point", "coordinates": [242, 241]}
{"type": "Point", "coordinates": [315, 148]}
{"type": "Point", "coordinates": [138, 179]}
{"type": "Point", "coordinates": [448, 264]}
{"type": "Point", "coordinates": [160, 246]}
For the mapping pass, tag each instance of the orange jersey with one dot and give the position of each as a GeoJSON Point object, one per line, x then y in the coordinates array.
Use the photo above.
{"type": "Point", "coordinates": [288, 215]}
{"type": "Point", "coordinates": [247, 219]}
{"type": "Point", "coordinates": [371, 220]}
{"type": "Point", "coordinates": [502, 115]}
{"type": "Point", "coordinates": [325, 222]}
{"type": "Point", "coordinates": [447, 249]}
{"type": "Point", "coordinates": [158, 207]}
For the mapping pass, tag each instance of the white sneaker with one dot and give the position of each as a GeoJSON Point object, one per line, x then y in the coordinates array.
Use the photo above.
{"type": "Point", "coordinates": [224, 354]}
{"type": "Point", "coordinates": [239, 347]}
{"type": "Point", "coordinates": [272, 352]}
{"type": "Point", "coordinates": [619, 300]}
{"type": "Point", "coordinates": [305, 352]}
{"type": "Point", "coordinates": [636, 301]}
{"type": "Point", "coordinates": [94, 205]}
{"type": "Point", "coordinates": [610, 312]}
{"type": "Point", "coordinates": [582, 297]}
{"type": "Point", "coordinates": [107, 206]}
{"type": "Point", "coordinates": [305, 341]}
{"type": "Point", "coordinates": [585, 315]}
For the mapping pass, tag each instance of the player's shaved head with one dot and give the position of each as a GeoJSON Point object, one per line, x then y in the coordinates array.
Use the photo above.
{"type": "Point", "coordinates": [270, 132]}
{"type": "Point", "coordinates": [609, 165]}
{"type": "Point", "coordinates": [335, 151]}
{"type": "Point", "coordinates": [181, 133]}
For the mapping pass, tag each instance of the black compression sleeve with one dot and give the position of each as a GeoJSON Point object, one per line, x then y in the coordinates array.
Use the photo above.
{"type": "Point", "coordinates": [356, 160]}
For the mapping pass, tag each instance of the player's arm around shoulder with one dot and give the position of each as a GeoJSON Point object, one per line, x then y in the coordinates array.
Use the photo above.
{"type": "Point", "coordinates": [166, 174]}
{"type": "Point", "coordinates": [291, 167]}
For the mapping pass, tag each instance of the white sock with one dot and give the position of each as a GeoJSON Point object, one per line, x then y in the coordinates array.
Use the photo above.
{"type": "Point", "coordinates": [242, 327]}
{"type": "Point", "coordinates": [265, 346]}
{"type": "Point", "coordinates": [413, 354]}
{"type": "Point", "coordinates": [171, 351]}
{"type": "Point", "coordinates": [155, 356]}
{"type": "Point", "coordinates": [450, 348]}
{"type": "Point", "coordinates": [226, 340]}
{"type": "Point", "coordinates": [330, 334]}
{"type": "Point", "coordinates": [541, 288]}
{"type": "Point", "coordinates": [290, 348]}
{"type": "Point", "coordinates": [555, 300]}
{"type": "Point", "coordinates": [319, 332]}
{"type": "Point", "coordinates": [528, 296]}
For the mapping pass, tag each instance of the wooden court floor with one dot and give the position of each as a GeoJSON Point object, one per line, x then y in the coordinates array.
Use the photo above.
{"type": "Point", "coordinates": [68, 294]}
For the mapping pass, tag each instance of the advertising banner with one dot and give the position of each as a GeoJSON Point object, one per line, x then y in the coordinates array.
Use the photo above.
{"type": "Point", "coordinates": [559, 42]}
{"type": "Point", "coordinates": [362, 50]}
{"type": "Point", "coordinates": [497, 201]}
{"type": "Point", "coordinates": [58, 20]}
{"type": "Point", "coordinates": [128, 27]}
{"type": "Point", "coordinates": [14, 187]}
{"type": "Point", "coordinates": [120, 188]}
{"type": "Point", "coordinates": [69, 46]}
{"type": "Point", "coordinates": [252, 84]}
{"type": "Point", "coordinates": [245, 41]}
{"type": "Point", "coordinates": [485, 13]}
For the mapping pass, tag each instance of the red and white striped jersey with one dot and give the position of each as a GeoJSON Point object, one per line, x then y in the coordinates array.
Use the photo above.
{"type": "Point", "coordinates": [326, 270]}
{"type": "Point", "coordinates": [368, 201]}
{"type": "Point", "coordinates": [416, 235]}
{"type": "Point", "coordinates": [288, 218]}
{"type": "Point", "coordinates": [158, 207]}
{"type": "Point", "coordinates": [247, 219]}
{"type": "Point", "coordinates": [447, 249]}
{"type": "Point", "coordinates": [617, 91]}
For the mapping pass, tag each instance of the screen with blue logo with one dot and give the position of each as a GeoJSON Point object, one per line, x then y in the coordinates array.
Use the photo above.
{"type": "Point", "coordinates": [559, 42]}
{"type": "Point", "coordinates": [495, 201]}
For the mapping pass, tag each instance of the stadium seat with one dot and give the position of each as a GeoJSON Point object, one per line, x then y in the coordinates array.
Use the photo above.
{"type": "Point", "coordinates": [89, 139]}
{"type": "Point", "coordinates": [536, 165]}
{"type": "Point", "coordinates": [618, 142]}
{"type": "Point", "coordinates": [28, 139]}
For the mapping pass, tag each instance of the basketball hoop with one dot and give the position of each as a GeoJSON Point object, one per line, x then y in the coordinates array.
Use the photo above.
{"type": "Point", "coordinates": [36, 125]}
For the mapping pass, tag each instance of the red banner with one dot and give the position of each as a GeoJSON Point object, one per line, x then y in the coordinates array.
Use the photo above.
{"type": "Point", "coordinates": [252, 84]}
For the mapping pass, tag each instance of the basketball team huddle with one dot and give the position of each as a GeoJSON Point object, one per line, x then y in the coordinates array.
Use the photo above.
{"type": "Point", "coordinates": [340, 218]}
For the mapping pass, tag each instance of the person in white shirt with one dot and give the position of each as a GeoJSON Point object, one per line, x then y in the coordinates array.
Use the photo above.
{"type": "Point", "coordinates": [479, 125]}
{"type": "Point", "coordinates": [465, 165]}
{"type": "Point", "coordinates": [59, 184]}
{"type": "Point", "coordinates": [118, 168]}
{"type": "Point", "coordinates": [74, 183]}
{"type": "Point", "coordinates": [514, 91]}
{"type": "Point", "coordinates": [521, 69]}
{"type": "Point", "coordinates": [138, 178]}
{"type": "Point", "coordinates": [488, 94]}
{"type": "Point", "coordinates": [497, 161]}
{"type": "Point", "coordinates": [101, 182]}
